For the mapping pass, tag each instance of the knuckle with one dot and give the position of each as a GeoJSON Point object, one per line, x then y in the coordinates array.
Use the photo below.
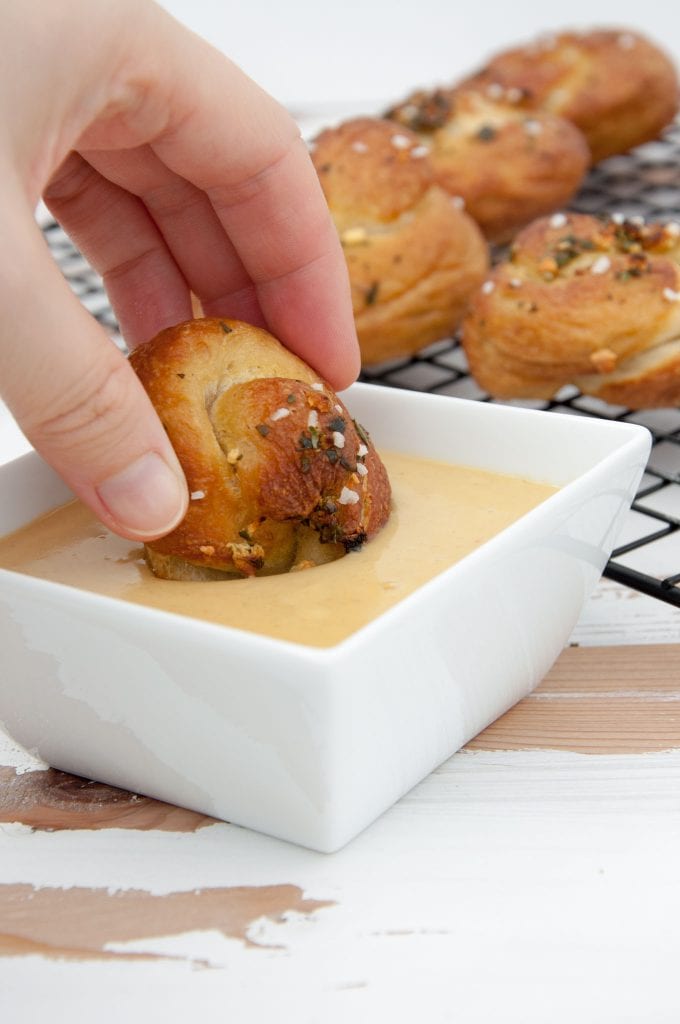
{"type": "Point", "coordinates": [249, 181]}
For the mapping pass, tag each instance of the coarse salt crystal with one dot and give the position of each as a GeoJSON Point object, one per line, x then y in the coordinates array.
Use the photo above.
{"type": "Point", "coordinates": [626, 41]}
{"type": "Point", "coordinates": [313, 419]}
{"type": "Point", "coordinates": [515, 282]}
{"type": "Point", "coordinates": [514, 95]}
{"type": "Point", "coordinates": [338, 408]}
{"type": "Point", "coordinates": [672, 228]}
{"type": "Point", "coordinates": [279, 414]}
{"type": "Point", "coordinates": [494, 91]}
{"type": "Point", "coordinates": [637, 219]}
{"type": "Point", "coordinates": [359, 146]}
{"type": "Point", "coordinates": [348, 497]}
{"type": "Point", "coordinates": [420, 151]}
{"type": "Point", "coordinates": [317, 386]}
{"type": "Point", "coordinates": [338, 439]}
{"type": "Point", "coordinates": [353, 236]}
{"type": "Point", "coordinates": [532, 127]}
{"type": "Point", "coordinates": [362, 451]}
{"type": "Point", "coordinates": [671, 295]}
{"type": "Point", "coordinates": [619, 218]}
{"type": "Point", "coordinates": [458, 202]}
{"type": "Point", "coordinates": [601, 265]}
{"type": "Point", "coordinates": [488, 287]}
{"type": "Point", "coordinates": [361, 469]}
{"type": "Point", "coordinates": [558, 220]}
{"type": "Point", "coordinates": [400, 142]}
{"type": "Point", "coordinates": [197, 495]}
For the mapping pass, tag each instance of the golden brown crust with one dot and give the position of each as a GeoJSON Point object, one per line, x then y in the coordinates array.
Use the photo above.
{"type": "Point", "coordinates": [413, 256]}
{"type": "Point", "coordinates": [269, 452]}
{"type": "Point", "coordinates": [508, 164]}
{"type": "Point", "coordinates": [615, 85]}
{"type": "Point", "coordinates": [584, 302]}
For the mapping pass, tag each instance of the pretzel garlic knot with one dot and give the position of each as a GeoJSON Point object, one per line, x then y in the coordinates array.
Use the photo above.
{"type": "Point", "coordinates": [413, 255]}
{"type": "Point", "coordinates": [280, 475]}
{"type": "Point", "coordinates": [583, 302]}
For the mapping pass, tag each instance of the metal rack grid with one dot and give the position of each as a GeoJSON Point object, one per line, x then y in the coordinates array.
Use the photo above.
{"type": "Point", "coordinates": [643, 183]}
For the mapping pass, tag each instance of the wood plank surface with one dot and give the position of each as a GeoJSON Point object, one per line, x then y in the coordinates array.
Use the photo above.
{"type": "Point", "coordinates": [597, 700]}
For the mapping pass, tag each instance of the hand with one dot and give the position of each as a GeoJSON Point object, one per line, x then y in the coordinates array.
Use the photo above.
{"type": "Point", "coordinates": [173, 173]}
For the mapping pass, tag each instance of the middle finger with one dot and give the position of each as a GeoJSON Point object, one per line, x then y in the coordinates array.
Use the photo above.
{"type": "Point", "coordinates": [190, 228]}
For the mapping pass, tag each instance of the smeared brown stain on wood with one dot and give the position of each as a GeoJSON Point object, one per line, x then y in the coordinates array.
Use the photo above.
{"type": "Point", "coordinates": [597, 700]}
{"type": "Point", "coordinates": [79, 922]}
{"type": "Point", "coordinates": [51, 800]}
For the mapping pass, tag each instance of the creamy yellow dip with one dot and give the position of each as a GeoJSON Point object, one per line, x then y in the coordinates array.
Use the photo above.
{"type": "Point", "coordinates": [441, 513]}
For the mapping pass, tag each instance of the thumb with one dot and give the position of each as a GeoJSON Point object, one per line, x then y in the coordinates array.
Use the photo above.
{"type": "Point", "coordinates": [79, 402]}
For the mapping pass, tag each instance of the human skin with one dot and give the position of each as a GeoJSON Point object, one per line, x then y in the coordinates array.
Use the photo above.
{"type": "Point", "coordinates": [173, 173]}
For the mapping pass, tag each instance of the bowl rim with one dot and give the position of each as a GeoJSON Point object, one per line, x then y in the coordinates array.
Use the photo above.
{"type": "Point", "coordinates": [633, 436]}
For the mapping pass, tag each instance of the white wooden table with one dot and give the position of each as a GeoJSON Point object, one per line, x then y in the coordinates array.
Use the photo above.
{"type": "Point", "coordinates": [532, 878]}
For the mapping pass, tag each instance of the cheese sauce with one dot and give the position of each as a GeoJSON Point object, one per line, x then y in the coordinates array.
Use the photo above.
{"type": "Point", "coordinates": [441, 513]}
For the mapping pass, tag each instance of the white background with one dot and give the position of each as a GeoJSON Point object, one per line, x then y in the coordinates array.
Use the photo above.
{"type": "Point", "coordinates": [310, 52]}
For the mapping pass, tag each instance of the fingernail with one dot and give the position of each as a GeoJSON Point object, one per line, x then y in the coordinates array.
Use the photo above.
{"type": "Point", "coordinates": [146, 498]}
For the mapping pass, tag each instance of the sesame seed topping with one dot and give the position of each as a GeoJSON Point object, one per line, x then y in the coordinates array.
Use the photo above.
{"type": "Point", "coordinates": [488, 287]}
{"type": "Point", "coordinates": [359, 146]}
{"type": "Point", "coordinates": [361, 469]}
{"type": "Point", "coordinates": [400, 142]}
{"type": "Point", "coordinates": [338, 439]}
{"type": "Point", "coordinates": [234, 455]}
{"type": "Point", "coordinates": [207, 549]}
{"type": "Point", "coordinates": [197, 495]}
{"type": "Point", "coordinates": [458, 202]}
{"type": "Point", "coordinates": [558, 220]}
{"type": "Point", "coordinates": [317, 386]}
{"type": "Point", "coordinates": [532, 127]}
{"type": "Point", "coordinates": [348, 496]}
{"type": "Point", "coordinates": [601, 265]}
{"type": "Point", "coordinates": [670, 295]}
{"type": "Point", "coordinates": [362, 451]}
{"type": "Point", "coordinates": [313, 419]}
{"type": "Point", "coordinates": [279, 414]}
{"type": "Point", "coordinates": [420, 151]}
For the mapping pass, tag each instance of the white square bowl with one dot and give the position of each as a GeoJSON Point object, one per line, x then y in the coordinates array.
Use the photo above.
{"type": "Point", "coordinates": [312, 744]}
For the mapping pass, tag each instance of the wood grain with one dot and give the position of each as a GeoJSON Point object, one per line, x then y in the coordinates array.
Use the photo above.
{"type": "Point", "coordinates": [597, 700]}
{"type": "Point", "coordinates": [49, 800]}
{"type": "Point", "coordinates": [79, 922]}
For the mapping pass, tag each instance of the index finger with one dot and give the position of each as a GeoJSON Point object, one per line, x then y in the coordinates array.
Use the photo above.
{"type": "Point", "coordinates": [226, 136]}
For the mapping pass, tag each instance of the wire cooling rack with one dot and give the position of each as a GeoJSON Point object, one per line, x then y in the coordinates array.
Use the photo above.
{"type": "Point", "coordinates": [644, 183]}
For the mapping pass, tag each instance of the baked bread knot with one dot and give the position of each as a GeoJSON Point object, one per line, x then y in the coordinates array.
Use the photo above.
{"type": "Point", "coordinates": [509, 165]}
{"type": "Point", "coordinates": [280, 475]}
{"type": "Point", "coordinates": [615, 85]}
{"type": "Point", "coordinates": [413, 255]}
{"type": "Point", "coordinates": [584, 302]}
